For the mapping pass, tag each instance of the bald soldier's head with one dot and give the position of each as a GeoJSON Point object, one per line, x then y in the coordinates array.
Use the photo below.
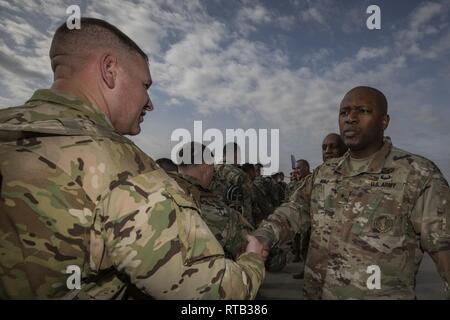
{"type": "Point", "coordinates": [362, 120]}
{"type": "Point", "coordinates": [103, 65]}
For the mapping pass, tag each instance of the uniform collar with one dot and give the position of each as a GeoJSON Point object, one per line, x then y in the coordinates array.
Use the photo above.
{"type": "Point", "coordinates": [375, 165]}
{"type": "Point", "coordinates": [191, 179]}
{"type": "Point", "coordinates": [73, 102]}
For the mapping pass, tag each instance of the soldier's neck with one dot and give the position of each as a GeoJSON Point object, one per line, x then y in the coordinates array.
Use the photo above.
{"type": "Point", "coordinates": [367, 152]}
{"type": "Point", "coordinates": [77, 88]}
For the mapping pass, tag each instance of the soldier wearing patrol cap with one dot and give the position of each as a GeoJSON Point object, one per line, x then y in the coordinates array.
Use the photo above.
{"type": "Point", "coordinates": [75, 193]}
{"type": "Point", "coordinates": [232, 183]}
{"type": "Point", "coordinates": [194, 177]}
{"type": "Point", "coordinates": [376, 208]}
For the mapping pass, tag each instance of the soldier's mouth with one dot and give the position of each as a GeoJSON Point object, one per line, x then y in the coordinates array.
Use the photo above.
{"type": "Point", "coordinates": [350, 133]}
{"type": "Point", "coordinates": [141, 117]}
{"type": "Point", "coordinates": [144, 112]}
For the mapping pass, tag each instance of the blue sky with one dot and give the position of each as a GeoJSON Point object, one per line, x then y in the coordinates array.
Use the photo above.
{"type": "Point", "coordinates": [260, 64]}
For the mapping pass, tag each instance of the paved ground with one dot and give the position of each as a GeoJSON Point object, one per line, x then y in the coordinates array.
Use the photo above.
{"type": "Point", "coordinates": [281, 285]}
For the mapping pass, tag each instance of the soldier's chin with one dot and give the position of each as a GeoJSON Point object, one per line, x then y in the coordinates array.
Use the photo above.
{"type": "Point", "coordinates": [355, 146]}
{"type": "Point", "coordinates": [135, 130]}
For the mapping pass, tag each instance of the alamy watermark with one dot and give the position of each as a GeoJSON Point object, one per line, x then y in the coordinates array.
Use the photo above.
{"type": "Point", "coordinates": [73, 281]}
{"type": "Point", "coordinates": [374, 280]}
{"type": "Point", "coordinates": [253, 145]}
{"type": "Point", "coordinates": [374, 20]}
{"type": "Point", "coordinates": [74, 19]}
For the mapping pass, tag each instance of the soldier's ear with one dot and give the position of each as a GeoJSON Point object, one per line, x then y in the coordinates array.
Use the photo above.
{"type": "Point", "coordinates": [108, 68]}
{"type": "Point", "coordinates": [385, 121]}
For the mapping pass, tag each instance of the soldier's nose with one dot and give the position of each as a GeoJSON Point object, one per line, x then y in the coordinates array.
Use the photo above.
{"type": "Point", "coordinates": [352, 116]}
{"type": "Point", "coordinates": [149, 106]}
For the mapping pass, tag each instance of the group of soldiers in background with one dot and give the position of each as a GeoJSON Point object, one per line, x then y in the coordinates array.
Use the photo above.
{"type": "Point", "coordinates": [235, 198]}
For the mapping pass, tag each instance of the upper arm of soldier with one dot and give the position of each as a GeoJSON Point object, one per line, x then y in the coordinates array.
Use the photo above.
{"type": "Point", "coordinates": [154, 234]}
{"type": "Point", "coordinates": [430, 218]}
{"type": "Point", "coordinates": [291, 217]}
{"type": "Point", "coordinates": [430, 215]}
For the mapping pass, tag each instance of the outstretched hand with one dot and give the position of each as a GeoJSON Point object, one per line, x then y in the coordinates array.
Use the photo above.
{"type": "Point", "coordinates": [257, 246]}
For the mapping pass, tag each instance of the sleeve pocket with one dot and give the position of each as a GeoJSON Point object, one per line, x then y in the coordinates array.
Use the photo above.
{"type": "Point", "coordinates": [196, 240]}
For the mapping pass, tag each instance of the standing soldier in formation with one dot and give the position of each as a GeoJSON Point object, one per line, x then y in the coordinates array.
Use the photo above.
{"type": "Point", "coordinates": [376, 208]}
{"type": "Point", "coordinates": [277, 188]}
{"type": "Point", "coordinates": [228, 225]}
{"type": "Point", "coordinates": [74, 192]}
{"type": "Point", "coordinates": [231, 183]}
{"type": "Point", "coordinates": [300, 241]}
{"type": "Point", "coordinates": [333, 147]}
{"type": "Point", "coordinates": [266, 185]}
{"type": "Point", "coordinates": [262, 206]}
{"type": "Point", "coordinates": [283, 186]}
{"type": "Point", "coordinates": [301, 170]}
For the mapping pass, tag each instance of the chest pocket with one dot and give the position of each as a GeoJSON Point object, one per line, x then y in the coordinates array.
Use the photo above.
{"type": "Point", "coordinates": [323, 207]}
{"type": "Point", "coordinates": [379, 214]}
{"type": "Point", "coordinates": [324, 197]}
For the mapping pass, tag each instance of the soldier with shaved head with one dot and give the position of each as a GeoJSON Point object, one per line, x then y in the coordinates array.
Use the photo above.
{"type": "Point", "coordinates": [76, 194]}
{"type": "Point", "coordinates": [373, 212]}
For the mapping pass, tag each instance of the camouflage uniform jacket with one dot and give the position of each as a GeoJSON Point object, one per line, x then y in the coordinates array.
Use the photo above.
{"type": "Point", "coordinates": [268, 187]}
{"type": "Point", "coordinates": [228, 225]}
{"type": "Point", "coordinates": [291, 187]}
{"type": "Point", "coordinates": [283, 186]}
{"type": "Point", "coordinates": [262, 205]}
{"type": "Point", "coordinates": [227, 176]}
{"type": "Point", "coordinates": [75, 193]}
{"type": "Point", "coordinates": [294, 185]}
{"type": "Point", "coordinates": [386, 214]}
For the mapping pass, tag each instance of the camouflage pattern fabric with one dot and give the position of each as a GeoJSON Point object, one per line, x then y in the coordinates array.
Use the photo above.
{"type": "Point", "coordinates": [291, 187]}
{"type": "Point", "coordinates": [228, 226]}
{"type": "Point", "coordinates": [262, 207]}
{"type": "Point", "coordinates": [75, 193]}
{"type": "Point", "coordinates": [268, 187]}
{"type": "Point", "coordinates": [228, 177]}
{"type": "Point", "coordinates": [283, 187]}
{"type": "Point", "coordinates": [385, 214]}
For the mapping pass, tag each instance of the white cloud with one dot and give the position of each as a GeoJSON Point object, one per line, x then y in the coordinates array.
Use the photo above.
{"type": "Point", "coordinates": [313, 14]}
{"type": "Point", "coordinates": [249, 18]}
{"type": "Point", "coordinates": [257, 14]}
{"type": "Point", "coordinates": [317, 57]}
{"type": "Point", "coordinates": [371, 53]}
{"type": "Point", "coordinates": [425, 37]}
{"type": "Point", "coordinates": [424, 14]}
{"type": "Point", "coordinates": [148, 23]}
